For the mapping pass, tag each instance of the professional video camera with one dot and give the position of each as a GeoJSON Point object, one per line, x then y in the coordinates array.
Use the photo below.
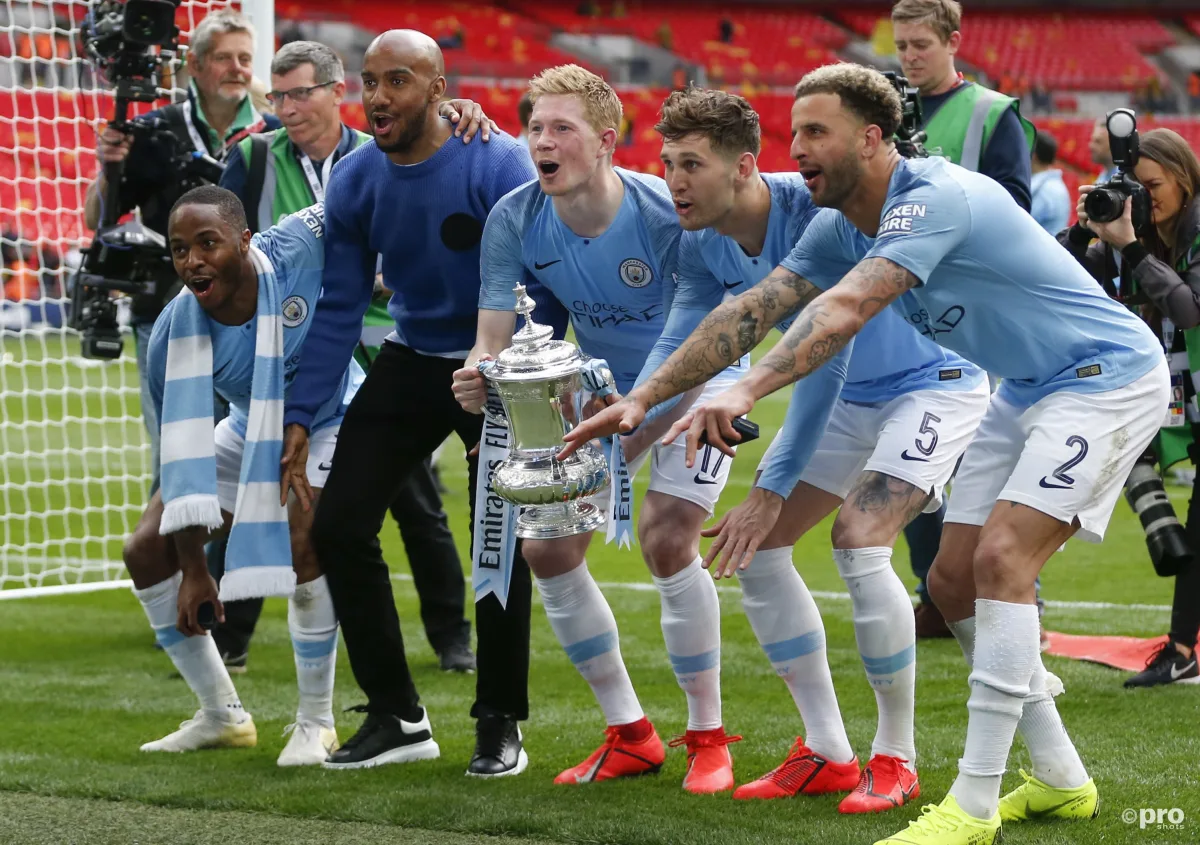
{"type": "Point", "coordinates": [910, 138]}
{"type": "Point", "coordinates": [1107, 202]}
{"type": "Point", "coordinates": [131, 43]}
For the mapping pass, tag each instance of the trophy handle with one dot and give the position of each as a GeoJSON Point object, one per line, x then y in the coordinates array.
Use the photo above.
{"type": "Point", "coordinates": [493, 409]}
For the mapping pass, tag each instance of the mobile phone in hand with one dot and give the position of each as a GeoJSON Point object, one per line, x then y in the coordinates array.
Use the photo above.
{"type": "Point", "coordinates": [743, 426]}
{"type": "Point", "coordinates": [206, 616]}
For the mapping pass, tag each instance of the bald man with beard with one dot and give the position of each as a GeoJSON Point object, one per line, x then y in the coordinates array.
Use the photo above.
{"type": "Point", "coordinates": [417, 198]}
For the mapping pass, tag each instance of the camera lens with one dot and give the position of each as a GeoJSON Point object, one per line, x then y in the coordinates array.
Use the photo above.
{"type": "Point", "coordinates": [1104, 205]}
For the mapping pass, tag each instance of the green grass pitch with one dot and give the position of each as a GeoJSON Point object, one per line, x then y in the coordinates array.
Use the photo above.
{"type": "Point", "coordinates": [81, 688]}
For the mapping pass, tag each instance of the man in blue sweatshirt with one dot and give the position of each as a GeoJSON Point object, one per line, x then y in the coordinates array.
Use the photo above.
{"type": "Point", "coordinates": [418, 197]}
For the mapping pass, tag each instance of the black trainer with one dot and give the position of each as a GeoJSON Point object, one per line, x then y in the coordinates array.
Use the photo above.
{"type": "Point", "coordinates": [498, 749]}
{"type": "Point", "coordinates": [457, 657]}
{"type": "Point", "coordinates": [385, 738]}
{"type": "Point", "coordinates": [1167, 666]}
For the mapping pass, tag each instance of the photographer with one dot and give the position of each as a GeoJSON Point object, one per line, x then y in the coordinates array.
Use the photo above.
{"type": "Point", "coordinates": [1158, 270]}
{"type": "Point", "coordinates": [216, 115]}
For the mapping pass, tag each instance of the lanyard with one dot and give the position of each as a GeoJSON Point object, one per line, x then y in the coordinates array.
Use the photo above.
{"type": "Point", "coordinates": [310, 173]}
{"type": "Point", "coordinates": [197, 140]}
{"type": "Point", "coordinates": [201, 147]}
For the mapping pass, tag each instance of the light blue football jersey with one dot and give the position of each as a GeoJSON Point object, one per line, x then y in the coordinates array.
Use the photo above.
{"type": "Point", "coordinates": [995, 286]}
{"type": "Point", "coordinates": [296, 249]}
{"type": "Point", "coordinates": [618, 287]}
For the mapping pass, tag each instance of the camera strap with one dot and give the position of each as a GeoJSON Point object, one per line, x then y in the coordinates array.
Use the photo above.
{"type": "Point", "coordinates": [310, 173]}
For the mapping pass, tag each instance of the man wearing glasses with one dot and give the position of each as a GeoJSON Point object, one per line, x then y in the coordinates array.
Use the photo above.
{"type": "Point", "coordinates": [281, 172]}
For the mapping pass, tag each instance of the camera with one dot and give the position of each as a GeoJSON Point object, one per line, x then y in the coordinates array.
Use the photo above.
{"type": "Point", "coordinates": [131, 44]}
{"type": "Point", "coordinates": [1107, 202]}
{"type": "Point", "coordinates": [910, 138]}
{"type": "Point", "coordinates": [1166, 539]}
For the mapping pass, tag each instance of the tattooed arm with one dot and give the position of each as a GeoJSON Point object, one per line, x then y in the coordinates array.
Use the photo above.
{"type": "Point", "coordinates": [730, 331]}
{"type": "Point", "coordinates": [828, 324]}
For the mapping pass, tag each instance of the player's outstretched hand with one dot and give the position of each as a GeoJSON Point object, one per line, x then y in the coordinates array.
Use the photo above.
{"type": "Point", "coordinates": [714, 421]}
{"type": "Point", "coordinates": [294, 466]}
{"type": "Point", "coordinates": [470, 387]}
{"type": "Point", "coordinates": [468, 118]}
{"type": "Point", "coordinates": [740, 532]}
{"type": "Point", "coordinates": [196, 588]}
{"type": "Point", "coordinates": [620, 417]}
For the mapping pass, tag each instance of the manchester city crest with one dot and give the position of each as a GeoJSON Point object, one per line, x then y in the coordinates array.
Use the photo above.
{"type": "Point", "coordinates": [295, 310]}
{"type": "Point", "coordinates": [636, 273]}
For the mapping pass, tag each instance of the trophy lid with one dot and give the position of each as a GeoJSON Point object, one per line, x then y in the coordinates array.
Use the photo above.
{"type": "Point", "coordinates": [534, 354]}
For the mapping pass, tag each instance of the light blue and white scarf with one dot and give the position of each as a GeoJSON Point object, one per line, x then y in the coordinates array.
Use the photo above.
{"type": "Point", "coordinates": [258, 561]}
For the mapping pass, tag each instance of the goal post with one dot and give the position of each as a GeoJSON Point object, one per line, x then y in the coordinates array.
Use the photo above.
{"type": "Point", "coordinates": [74, 456]}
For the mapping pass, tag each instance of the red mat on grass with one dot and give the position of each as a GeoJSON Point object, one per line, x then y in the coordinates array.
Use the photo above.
{"type": "Point", "coordinates": [1128, 653]}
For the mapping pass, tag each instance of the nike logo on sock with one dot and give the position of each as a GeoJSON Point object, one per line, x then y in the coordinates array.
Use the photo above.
{"type": "Point", "coordinates": [537, 266]}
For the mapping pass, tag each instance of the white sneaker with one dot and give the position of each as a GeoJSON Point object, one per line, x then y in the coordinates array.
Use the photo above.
{"type": "Point", "coordinates": [310, 745]}
{"type": "Point", "coordinates": [206, 731]}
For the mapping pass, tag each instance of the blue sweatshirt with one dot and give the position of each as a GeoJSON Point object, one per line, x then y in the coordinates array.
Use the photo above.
{"type": "Point", "coordinates": [426, 221]}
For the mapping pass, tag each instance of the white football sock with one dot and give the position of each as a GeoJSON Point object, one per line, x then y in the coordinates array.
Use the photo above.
{"type": "Point", "coordinates": [314, 629]}
{"type": "Point", "coordinates": [691, 626]}
{"type": "Point", "coordinates": [1055, 760]}
{"type": "Point", "coordinates": [886, 632]}
{"type": "Point", "coordinates": [1006, 652]}
{"type": "Point", "coordinates": [196, 658]}
{"type": "Point", "coordinates": [584, 624]}
{"type": "Point", "coordinates": [788, 626]}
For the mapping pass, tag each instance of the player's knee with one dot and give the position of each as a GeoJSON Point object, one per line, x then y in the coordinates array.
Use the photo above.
{"type": "Point", "coordinates": [666, 548]}
{"type": "Point", "coordinates": [543, 557]}
{"type": "Point", "coordinates": [948, 582]}
{"type": "Point", "coordinates": [305, 562]}
{"type": "Point", "coordinates": [998, 568]}
{"type": "Point", "coordinates": [852, 531]}
{"type": "Point", "coordinates": [142, 553]}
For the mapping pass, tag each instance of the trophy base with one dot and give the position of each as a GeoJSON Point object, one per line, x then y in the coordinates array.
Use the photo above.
{"type": "Point", "coordinates": [548, 522]}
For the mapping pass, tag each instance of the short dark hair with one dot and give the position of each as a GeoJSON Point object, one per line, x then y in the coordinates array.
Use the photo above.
{"type": "Point", "coordinates": [728, 121]}
{"type": "Point", "coordinates": [525, 110]}
{"type": "Point", "coordinates": [943, 16]}
{"type": "Point", "coordinates": [228, 206]}
{"type": "Point", "coordinates": [1045, 148]}
{"type": "Point", "coordinates": [864, 91]}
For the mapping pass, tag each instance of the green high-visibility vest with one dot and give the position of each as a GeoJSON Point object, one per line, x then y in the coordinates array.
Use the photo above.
{"type": "Point", "coordinates": [285, 190]}
{"type": "Point", "coordinates": [961, 128]}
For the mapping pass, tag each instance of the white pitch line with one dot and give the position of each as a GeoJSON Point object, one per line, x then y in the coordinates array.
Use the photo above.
{"type": "Point", "coordinates": [633, 586]}
{"type": "Point", "coordinates": [643, 587]}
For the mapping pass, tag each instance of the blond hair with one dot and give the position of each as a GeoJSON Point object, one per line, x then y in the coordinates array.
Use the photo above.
{"type": "Point", "coordinates": [728, 121]}
{"type": "Point", "coordinates": [943, 16]}
{"type": "Point", "coordinates": [601, 106]}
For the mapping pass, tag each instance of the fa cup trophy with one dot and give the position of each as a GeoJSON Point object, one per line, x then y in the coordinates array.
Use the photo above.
{"type": "Point", "coordinates": [539, 383]}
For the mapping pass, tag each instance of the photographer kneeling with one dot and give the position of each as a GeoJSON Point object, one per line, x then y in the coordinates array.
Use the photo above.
{"type": "Point", "coordinates": [1152, 251]}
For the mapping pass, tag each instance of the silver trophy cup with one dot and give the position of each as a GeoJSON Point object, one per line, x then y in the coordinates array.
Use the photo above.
{"type": "Point", "coordinates": [538, 381]}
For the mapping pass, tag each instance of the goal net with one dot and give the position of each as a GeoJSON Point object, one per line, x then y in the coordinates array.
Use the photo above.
{"type": "Point", "coordinates": [74, 456]}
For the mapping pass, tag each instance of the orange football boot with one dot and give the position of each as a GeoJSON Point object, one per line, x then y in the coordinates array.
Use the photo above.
{"type": "Point", "coordinates": [710, 765]}
{"type": "Point", "coordinates": [804, 772]}
{"type": "Point", "coordinates": [619, 757]}
{"type": "Point", "coordinates": [886, 783]}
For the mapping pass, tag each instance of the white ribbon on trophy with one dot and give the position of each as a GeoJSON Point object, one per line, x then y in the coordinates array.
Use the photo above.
{"type": "Point", "coordinates": [493, 536]}
{"type": "Point", "coordinates": [597, 378]}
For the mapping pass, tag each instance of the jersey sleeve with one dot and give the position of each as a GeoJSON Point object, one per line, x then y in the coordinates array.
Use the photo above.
{"type": "Point", "coordinates": [336, 323]}
{"type": "Point", "coordinates": [808, 414]}
{"type": "Point", "coordinates": [156, 361]}
{"type": "Point", "coordinates": [501, 268]}
{"type": "Point", "coordinates": [826, 250]}
{"type": "Point", "coordinates": [920, 226]}
{"type": "Point", "coordinates": [297, 241]}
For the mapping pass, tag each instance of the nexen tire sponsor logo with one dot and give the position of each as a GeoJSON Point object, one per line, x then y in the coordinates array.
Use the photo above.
{"type": "Point", "coordinates": [900, 219]}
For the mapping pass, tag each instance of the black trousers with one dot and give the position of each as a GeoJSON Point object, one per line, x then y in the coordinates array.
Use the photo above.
{"type": "Point", "coordinates": [402, 412]}
{"type": "Point", "coordinates": [1185, 607]}
{"type": "Point", "coordinates": [436, 569]}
